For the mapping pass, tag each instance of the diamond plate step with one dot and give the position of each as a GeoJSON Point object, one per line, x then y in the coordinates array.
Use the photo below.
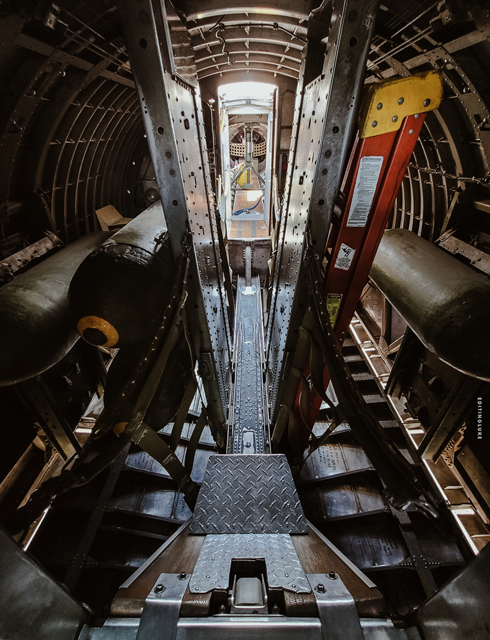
{"type": "Point", "coordinates": [284, 571]}
{"type": "Point", "coordinates": [248, 494]}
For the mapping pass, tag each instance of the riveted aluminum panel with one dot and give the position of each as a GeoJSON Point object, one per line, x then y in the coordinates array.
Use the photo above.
{"type": "Point", "coordinates": [173, 118]}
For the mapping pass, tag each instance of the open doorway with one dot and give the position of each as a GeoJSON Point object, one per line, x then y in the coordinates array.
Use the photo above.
{"type": "Point", "coordinates": [247, 140]}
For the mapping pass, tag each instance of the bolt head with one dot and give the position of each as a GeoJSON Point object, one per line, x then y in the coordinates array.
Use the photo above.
{"type": "Point", "coordinates": [332, 575]}
{"type": "Point", "coordinates": [380, 106]}
{"type": "Point", "coordinates": [159, 588]}
{"type": "Point", "coordinates": [395, 119]}
{"type": "Point", "coordinates": [182, 576]}
{"type": "Point", "coordinates": [320, 588]}
{"type": "Point", "coordinates": [401, 100]}
{"type": "Point", "coordinates": [411, 131]}
{"type": "Point", "coordinates": [426, 102]}
{"type": "Point", "coordinates": [374, 123]}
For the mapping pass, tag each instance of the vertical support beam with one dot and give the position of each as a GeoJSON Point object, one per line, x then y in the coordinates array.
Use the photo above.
{"type": "Point", "coordinates": [325, 115]}
{"type": "Point", "coordinates": [173, 119]}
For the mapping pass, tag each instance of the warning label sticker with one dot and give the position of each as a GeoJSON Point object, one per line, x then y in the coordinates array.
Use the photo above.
{"type": "Point", "coordinates": [333, 305]}
{"type": "Point", "coordinates": [345, 257]}
{"type": "Point", "coordinates": [364, 190]}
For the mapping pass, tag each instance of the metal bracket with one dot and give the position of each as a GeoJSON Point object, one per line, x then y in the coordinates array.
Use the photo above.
{"type": "Point", "coordinates": [162, 607]}
{"type": "Point", "coordinates": [284, 570]}
{"type": "Point", "coordinates": [336, 607]}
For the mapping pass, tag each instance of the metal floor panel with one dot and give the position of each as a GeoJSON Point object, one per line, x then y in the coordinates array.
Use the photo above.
{"type": "Point", "coordinates": [284, 571]}
{"type": "Point", "coordinates": [248, 494]}
{"type": "Point", "coordinates": [248, 419]}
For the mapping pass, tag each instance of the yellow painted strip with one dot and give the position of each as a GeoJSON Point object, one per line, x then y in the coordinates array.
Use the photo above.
{"type": "Point", "coordinates": [385, 104]}
{"type": "Point", "coordinates": [94, 322]}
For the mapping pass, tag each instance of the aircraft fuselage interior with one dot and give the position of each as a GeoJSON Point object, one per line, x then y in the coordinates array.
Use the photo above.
{"type": "Point", "coordinates": [244, 320]}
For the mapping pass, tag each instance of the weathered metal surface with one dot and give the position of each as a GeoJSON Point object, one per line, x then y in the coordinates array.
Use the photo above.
{"type": "Point", "coordinates": [336, 607]}
{"type": "Point", "coordinates": [339, 499]}
{"type": "Point", "coordinates": [150, 497]}
{"type": "Point", "coordinates": [250, 626]}
{"type": "Point", "coordinates": [334, 460]}
{"type": "Point", "coordinates": [284, 571]}
{"type": "Point", "coordinates": [36, 396]}
{"type": "Point", "coordinates": [170, 389]}
{"type": "Point", "coordinates": [273, 627]}
{"type": "Point", "coordinates": [142, 461]}
{"type": "Point", "coordinates": [370, 543]}
{"type": "Point", "coordinates": [248, 415]}
{"type": "Point", "coordinates": [36, 329]}
{"type": "Point", "coordinates": [441, 299]}
{"type": "Point", "coordinates": [33, 604]}
{"type": "Point", "coordinates": [478, 259]}
{"type": "Point", "coordinates": [324, 125]}
{"type": "Point", "coordinates": [459, 610]}
{"type": "Point", "coordinates": [387, 103]}
{"type": "Point", "coordinates": [173, 120]}
{"type": "Point", "coordinates": [248, 494]}
{"type": "Point", "coordinates": [8, 266]}
{"type": "Point", "coordinates": [162, 607]}
{"type": "Point", "coordinates": [119, 292]}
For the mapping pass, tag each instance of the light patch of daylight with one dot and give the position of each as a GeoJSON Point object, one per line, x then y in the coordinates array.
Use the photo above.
{"type": "Point", "coordinates": [246, 90]}
{"type": "Point", "coordinates": [253, 195]}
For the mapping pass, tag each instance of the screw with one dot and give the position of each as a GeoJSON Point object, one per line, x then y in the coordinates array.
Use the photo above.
{"type": "Point", "coordinates": [380, 106]}
{"type": "Point", "coordinates": [332, 575]}
{"type": "Point", "coordinates": [320, 588]}
{"type": "Point", "coordinates": [417, 115]}
{"type": "Point", "coordinates": [375, 123]}
{"type": "Point", "coordinates": [411, 131]}
{"type": "Point", "coordinates": [395, 118]}
{"type": "Point", "coordinates": [182, 576]}
{"type": "Point", "coordinates": [426, 102]}
{"type": "Point", "coordinates": [401, 100]}
{"type": "Point", "coordinates": [159, 588]}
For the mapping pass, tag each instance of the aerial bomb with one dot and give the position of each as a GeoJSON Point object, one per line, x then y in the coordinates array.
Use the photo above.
{"type": "Point", "coordinates": [445, 302]}
{"type": "Point", "coordinates": [119, 292]}
{"type": "Point", "coordinates": [36, 329]}
{"type": "Point", "coordinates": [170, 391]}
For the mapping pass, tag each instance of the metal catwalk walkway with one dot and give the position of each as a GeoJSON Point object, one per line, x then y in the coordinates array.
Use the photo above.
{"type": "Point", "coordinates": [248, 413]}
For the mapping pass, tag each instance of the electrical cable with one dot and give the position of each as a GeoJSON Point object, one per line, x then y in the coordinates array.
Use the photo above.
{"type": "Point", "coordinates": [240, 211]}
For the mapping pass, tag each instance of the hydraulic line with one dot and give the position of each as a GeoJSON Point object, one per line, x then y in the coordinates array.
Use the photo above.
{"type": "Point", "coordinates": [237, 213]}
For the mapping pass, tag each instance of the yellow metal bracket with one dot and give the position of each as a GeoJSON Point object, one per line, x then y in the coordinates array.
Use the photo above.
{"type": "Point", "coordinates": [385, 104]}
